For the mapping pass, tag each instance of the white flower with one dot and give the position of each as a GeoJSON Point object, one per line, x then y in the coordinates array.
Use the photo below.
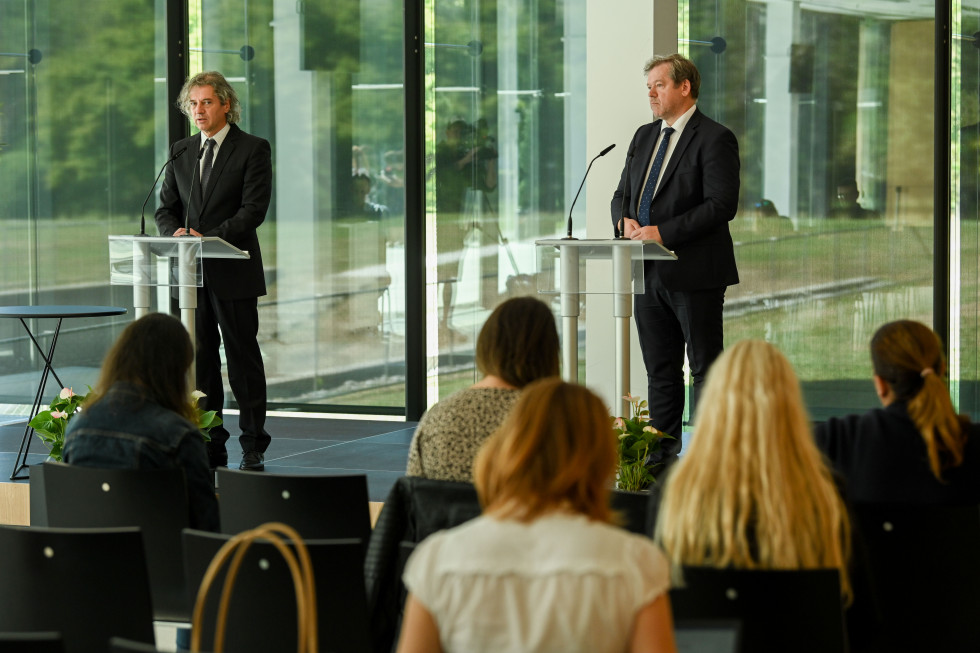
{"type": "Point", "coordinates": [66, 393]}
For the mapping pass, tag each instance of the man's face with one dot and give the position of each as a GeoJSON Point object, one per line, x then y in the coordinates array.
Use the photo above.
{"type": "Point", "coordinates": [667, 100]}
{"type": "Point", "coordinates": [207, 111]}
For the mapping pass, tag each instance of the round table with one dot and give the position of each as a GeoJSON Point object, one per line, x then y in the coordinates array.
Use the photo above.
{"type": "Point", "coordinates": [54, 312]}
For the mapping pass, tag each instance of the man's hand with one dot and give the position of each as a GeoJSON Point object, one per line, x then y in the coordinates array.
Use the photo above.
{"type": "Point", "coordinates": [183, 232]}
{"type": "Point", "coordinates": [635, 232]}
{"type": "Point", "coordinates": [627, 225]}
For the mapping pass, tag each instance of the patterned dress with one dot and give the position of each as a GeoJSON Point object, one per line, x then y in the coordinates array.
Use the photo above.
{"type": "Point", "coordinates": [450, 433]}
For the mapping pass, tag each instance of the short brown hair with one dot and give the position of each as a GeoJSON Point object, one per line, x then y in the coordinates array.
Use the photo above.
{"type": "Point", "coordinates": [681, 68]}
{"type": "Point", "coordinates": [519, 342]}
{"type": "Point", "coordinates": [555, 449]}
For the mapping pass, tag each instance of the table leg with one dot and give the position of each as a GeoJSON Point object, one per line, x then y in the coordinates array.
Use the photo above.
{"type": "Point", "coordinates": [20, 463]}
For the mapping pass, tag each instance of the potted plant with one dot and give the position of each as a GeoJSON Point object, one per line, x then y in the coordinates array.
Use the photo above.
{"type": "Point", "coordinates": [637, 440]}
{"type": "Point", "coordinates": [50, 425]}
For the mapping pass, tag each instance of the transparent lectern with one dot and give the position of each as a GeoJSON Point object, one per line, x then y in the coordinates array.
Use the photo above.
{"type": "Point", "coordinates": [570, 282]}
{"type": "Point", "coordinates": [144, 262]}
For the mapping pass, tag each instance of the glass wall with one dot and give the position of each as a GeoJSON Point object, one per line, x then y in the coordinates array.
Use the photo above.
{"type": "Point", "coordinates": [498, 114]}
{"type": "Point", "coordinates": [832, 103]}
{"type": "Point", "coordinates": [81, 138]}
{"type": "Point", "coordinates": [833, 109]}
{"type": "Point", "coordinates": [323, 82]}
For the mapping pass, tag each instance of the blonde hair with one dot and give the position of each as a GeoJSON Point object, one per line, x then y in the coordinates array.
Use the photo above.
{"type": "Point", "coordinates": [908, 355]}
{"type": "Point", "coordinates": [556, 450]}
{"type": "Point", "coordinates": [753, 491]}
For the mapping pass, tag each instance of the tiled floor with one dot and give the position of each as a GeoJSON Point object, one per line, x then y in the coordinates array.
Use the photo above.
{"type": "Point", "coordinates": [300, 445]}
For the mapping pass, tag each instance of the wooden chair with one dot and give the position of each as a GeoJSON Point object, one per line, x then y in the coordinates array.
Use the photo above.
{"type": "Point", "coordinates": [31, 643]}
{"type": "Point", "coordinates": [318, 507]}
{"type": "Point", "coordinates": [925, 574]}
{"type": "Point", "coordinates": [87, 584]}
{"type": "Point", "coordinates": [155, 501]}
{"type": "Point", "coordinates": [784, 610]}
{"type": "Point", "coordinates": [262, 612]}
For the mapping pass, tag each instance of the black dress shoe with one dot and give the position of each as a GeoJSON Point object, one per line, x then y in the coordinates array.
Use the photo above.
{"type": "Point", "coordinates": [252, 461]}
{"type": "Point", "coordinates": [217, 457]}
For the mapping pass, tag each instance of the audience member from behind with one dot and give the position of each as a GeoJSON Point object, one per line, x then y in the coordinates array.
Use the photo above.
{"type": "Point", "coordinates": [753, 491]}
{"type": "Point", "coordinates": [518, 344]}
{"type": "Point", "coordinates": [914, 449]}
{"type": "Point", "coordinates": [542, 569]}
{"type": "Point", "coordinates": [140, 415]}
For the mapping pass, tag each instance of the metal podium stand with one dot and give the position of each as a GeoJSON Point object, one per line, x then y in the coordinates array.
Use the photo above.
{"type": "Point", "coordinates": [627, 258]}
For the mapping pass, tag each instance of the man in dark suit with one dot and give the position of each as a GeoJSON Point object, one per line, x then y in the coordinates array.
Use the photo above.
{"type": "Point", "coordinates": [224, 192]}
{"type": "Point", "coordinates": [679, 187]}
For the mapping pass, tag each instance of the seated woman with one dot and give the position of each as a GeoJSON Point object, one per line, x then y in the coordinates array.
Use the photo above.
{"type": "Point", "coordinates": [752, 491]}
{"type": "Point", "coordinates": [140, 415]}
{"type": "Point", "coordinates": [517, 344]}
{"type": "Point", "coordinates": [915, 449]}
{"type": "Point", "coordinates": [542, 569]}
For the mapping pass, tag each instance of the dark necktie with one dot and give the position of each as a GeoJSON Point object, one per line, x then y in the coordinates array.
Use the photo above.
{"type": "Point", "coordinates": [208, 162]}
{"type": "Point", "coordinates": [643, 214]}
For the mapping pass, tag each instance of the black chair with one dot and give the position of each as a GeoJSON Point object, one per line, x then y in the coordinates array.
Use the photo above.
{"type": "Point", "coordinates": [924, 571]}
{"type": "Point", "coordinates": [155, 501]}
{"type": "Point", "coordinates": [262, 612]}
{"type": "Point", "coordinates": [318, 507]}
{"type": "Point", "coordinates": [414, 509]}
{"type": "Point", "coordinates": [784, 610]}
{"type": "Point", "coordinates": [31, 643]}
{"type": "Point", "coordinates": [87, 584]}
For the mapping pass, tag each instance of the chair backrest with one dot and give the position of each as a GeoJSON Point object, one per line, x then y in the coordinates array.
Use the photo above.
{"type": "Point", "coordinates": [87, 584]}
{"type": "Point", "coordinates": [155, 501]}
{"type": "Point", "coordinates": [31, 643]}
{"type": "Point", "coordinates": [780, 610]}
{"type": "Point", "coordinates": [318, 507]}
{"type": "Point", "coordinates": [924, 569]}
{"type": "Point", "coordinates": [262, 611]}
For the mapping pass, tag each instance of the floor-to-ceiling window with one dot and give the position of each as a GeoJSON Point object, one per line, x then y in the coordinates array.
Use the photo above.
{"type": "Point", "coordinates": [964, 250]}
{"type": "Point", "coordinates": [323, 82]}
{"type": "Point", "coordinates": [500, 118]}
{"type": "Point", "coordinates": [82, 135]}
{"type": "Point", "coordinates": [832, 103]}
{"type": "Point", "coordinates": [833, 107]}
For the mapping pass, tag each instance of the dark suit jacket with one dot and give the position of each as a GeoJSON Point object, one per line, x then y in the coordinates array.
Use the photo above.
{"type": "Point", "coordinates": [697, 197]}
{"type": "Point", "coordinates": [237, 198]}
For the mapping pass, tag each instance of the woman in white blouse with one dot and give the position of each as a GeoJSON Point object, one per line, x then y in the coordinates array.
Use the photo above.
{"type": "Point", "coordinates": [542, 569]}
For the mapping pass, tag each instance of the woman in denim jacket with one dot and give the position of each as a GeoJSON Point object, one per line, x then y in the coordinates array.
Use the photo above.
{"type": "Point", "coordinates": [140, 415]}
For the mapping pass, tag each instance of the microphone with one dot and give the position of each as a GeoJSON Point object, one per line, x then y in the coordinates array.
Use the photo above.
{"type": "Point", "coordinates": [190, 195]}
{"type": "Point", "coordinates": [602, 153]}
{"type": "Point", "coordinates": [617, 232]}
{"type": "Point", "coordinates": [143, 210]}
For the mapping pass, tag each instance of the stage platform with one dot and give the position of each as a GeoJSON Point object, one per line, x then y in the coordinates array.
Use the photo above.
{"type": "Point", "coordinates": [301, 444]}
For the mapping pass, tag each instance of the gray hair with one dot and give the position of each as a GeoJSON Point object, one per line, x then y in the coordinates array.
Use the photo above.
{"type": "Point", "coordinates": [226, 94]}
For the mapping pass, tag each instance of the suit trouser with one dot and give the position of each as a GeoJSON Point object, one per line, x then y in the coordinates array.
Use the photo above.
{"type": "Point", "coordinates": [667, 322]}
{"type": "Point", "coordinates": [238, 320]}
